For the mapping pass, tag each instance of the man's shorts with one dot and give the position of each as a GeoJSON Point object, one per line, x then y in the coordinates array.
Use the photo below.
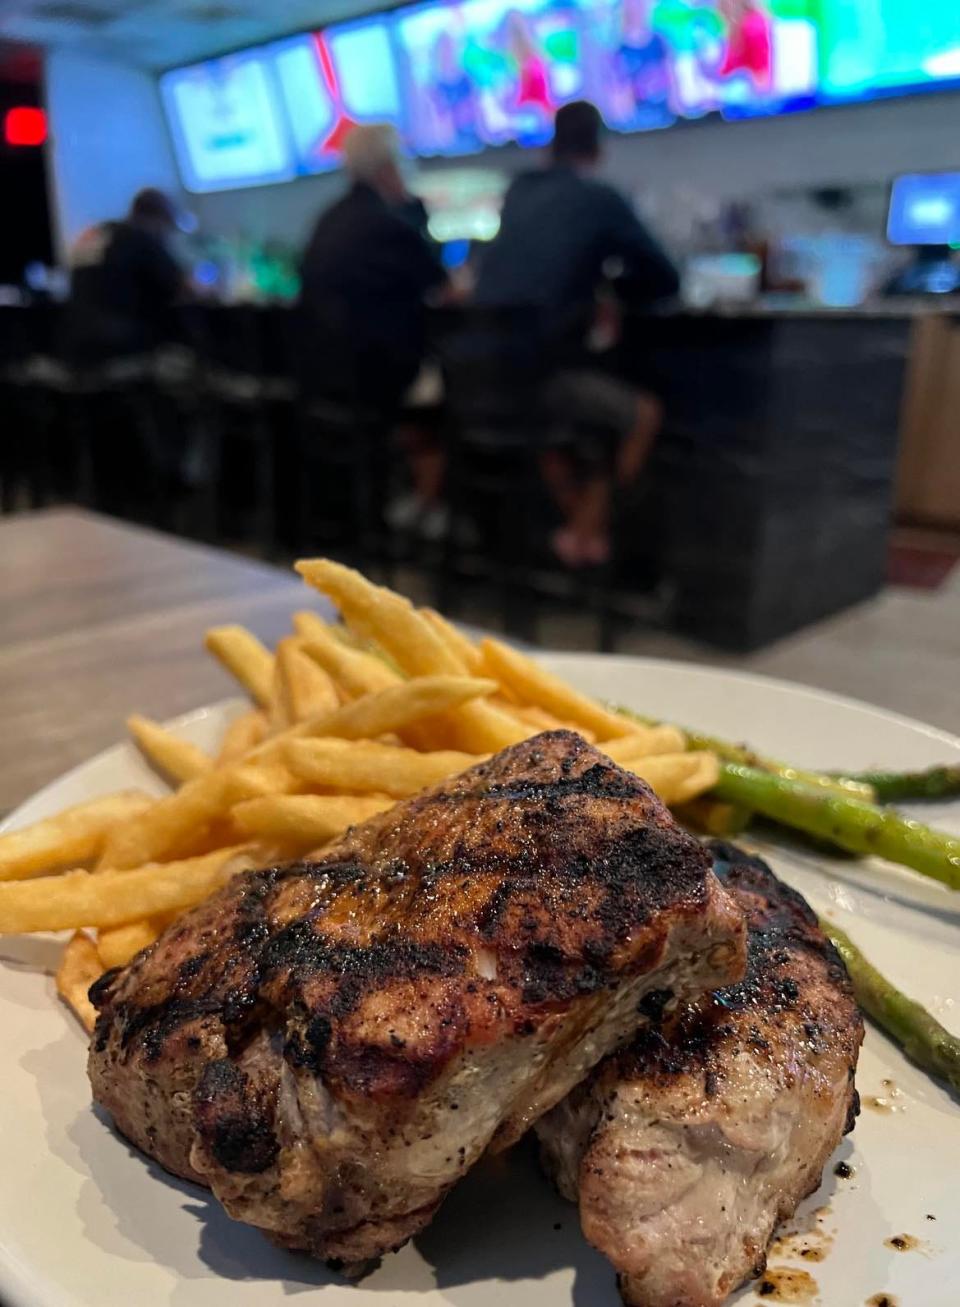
{"type": "Point", "coordinates": [591, 413]}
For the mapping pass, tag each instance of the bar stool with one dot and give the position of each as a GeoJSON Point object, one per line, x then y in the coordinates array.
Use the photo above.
{"type": "Point", "coordinates": [496, 428]}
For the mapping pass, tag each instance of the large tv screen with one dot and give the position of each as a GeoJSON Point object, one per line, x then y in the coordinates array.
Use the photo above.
{"type": "Point", "coordinates": [483, 72]}
{"type": "Point", "coordinates": [226, 125]}
{"type": "Point", "coordinates": [888, 47]}
{"type": "Point", "coordinates": [457, 77]}
{"type": "Point", "coordinates": [330, 81]}
{"type": "Point", "coordinates": [280, 110]}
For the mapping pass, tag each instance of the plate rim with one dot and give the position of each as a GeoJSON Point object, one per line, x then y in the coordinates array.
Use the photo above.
{"type": "Point", "coordinates": [18, 1281]}
{"type": "Point", "coordinates": [763, 678]}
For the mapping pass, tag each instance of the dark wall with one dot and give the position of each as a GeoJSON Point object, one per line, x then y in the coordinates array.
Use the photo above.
{"type": "Point", "coordinates": [25, 235]}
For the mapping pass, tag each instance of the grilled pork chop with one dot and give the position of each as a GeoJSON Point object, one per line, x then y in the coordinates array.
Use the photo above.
{"type": "Point", "coordinates": [331, 1045]}
{"type": "Point", "coordinates": [687, 1148]}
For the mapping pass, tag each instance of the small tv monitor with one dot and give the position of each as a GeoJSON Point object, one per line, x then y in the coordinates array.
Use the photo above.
{"type": "Point", "coordinates": [225, 123]}
{"type": "Point", "coordinates": [925, 209]}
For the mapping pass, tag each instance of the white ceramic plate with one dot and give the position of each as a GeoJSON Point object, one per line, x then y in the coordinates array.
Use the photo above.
{"type": "Point", "coordinates": [86, 1222]}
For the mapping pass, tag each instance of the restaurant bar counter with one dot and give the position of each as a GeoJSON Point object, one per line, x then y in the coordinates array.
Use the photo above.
{"type": "Point", "coordinates": [775, 471]}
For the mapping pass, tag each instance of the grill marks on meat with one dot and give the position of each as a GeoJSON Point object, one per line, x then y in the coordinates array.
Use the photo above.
{"type": "Point", "coordinates": [330, 1045]}
{"type": "Point", "coordinates": [686, 1149]}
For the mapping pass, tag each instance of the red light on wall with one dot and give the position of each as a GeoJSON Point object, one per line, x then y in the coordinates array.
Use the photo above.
{"type": "Point", "coordinates": [25, 125]}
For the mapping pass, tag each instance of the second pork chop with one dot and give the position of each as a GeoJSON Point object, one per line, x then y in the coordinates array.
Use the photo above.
{"type": "Point", "coordinates": [331, 1045]}
{"type": "Point", "coordinates": [688, 1147]}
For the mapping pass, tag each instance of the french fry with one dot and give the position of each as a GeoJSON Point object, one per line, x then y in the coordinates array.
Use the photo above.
{"type": "Point", "coordinates": [168, 825]}
{"type": "Point", "coordinates": [545, 721]}
{"type": "Point", "coordinates": [243, 734]}
{"type": "Point", "coordinates": [365, 767]}
{"type": "Point", "coordinates": [309, 625]}
{"type": "Point", "coordinates": [112, 898]}
{"type": "Point", "coordinates": [460, 645]}
{"type": "Point", "coordinates": [652, 740]}
{"type": "Point", "coordinates": [382, 616]}
{"type": "Point", "coordinates": [534, 684]}
{"type": "Point", "coordinates": [396, 707]}
{"type": "Point", "coordinates": [305, 820]}
{"type": "Point", "coordinates": [194, 820]}
{"type": "Point", "coordinates": [259, 776]}
{"type": "Point", "coordinates": [244, 657]}
{"type": "Point", "coordinates": [302, 687]}
{"type": "Point", "coordinates": [75, 835]}
{"type": "Point", "coordinates": [174, 824]}
{"type": "Point", "coordinates": [119, 944]}
{"type": "Point", "coordinates": [409, 638]}
{"type": "Point", "coordinates": [355, 672]}
{"type": "Point", "coordinates": [677, 777]}
{"type": "Point", "coordinates": [80, 965]}
{"type": "Point", "coordinates": [177, 759]}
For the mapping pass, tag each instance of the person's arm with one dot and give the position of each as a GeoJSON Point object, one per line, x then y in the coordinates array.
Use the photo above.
{"type": "Point", "coordinates": [648, 270]}
{"type": "Point", "coordinates": [415, 258]}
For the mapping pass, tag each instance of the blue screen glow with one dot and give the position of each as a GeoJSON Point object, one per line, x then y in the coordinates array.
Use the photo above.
{"type": "Point", "coordinates": [925, 209]}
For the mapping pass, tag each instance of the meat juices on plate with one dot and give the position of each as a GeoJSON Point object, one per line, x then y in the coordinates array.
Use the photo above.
{"type": "Point", "coordinates": [331, 1045]}
{"type": "Point", "coordinates": [686, 1149]}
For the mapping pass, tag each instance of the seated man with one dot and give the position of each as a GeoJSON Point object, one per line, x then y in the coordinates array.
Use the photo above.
{"type": "Point", "coordinates": [366, 273]}
{"type": "Point", "coordinates": [125, 284]}
{"type": "Point", "coordinates": [559, 228]}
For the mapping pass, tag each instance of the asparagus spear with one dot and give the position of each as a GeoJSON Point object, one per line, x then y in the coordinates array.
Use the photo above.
{"type": "Point", "coordinates": [727, 752]}
{"type": "Point", "coordinates": [900, 787]}
{"type": "Point", "coordinates": [855, 826]}
{"type": "Point", "coordinates": [852, 787]}
{"type": "Point", "coordinates": [918, 1033]}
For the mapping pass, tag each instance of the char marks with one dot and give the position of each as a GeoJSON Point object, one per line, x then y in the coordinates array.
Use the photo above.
{"type": "Point", "coordinates": [788, 958]}
{"type": "Point", "coordinates": [330, 1045]}
{"type": "Point", "coordinates": [551, 854]}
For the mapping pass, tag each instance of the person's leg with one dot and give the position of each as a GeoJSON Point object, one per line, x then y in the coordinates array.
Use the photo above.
{"type": "Point", "coordinates": [636, 445]}
{"type": "Point", "coordinates": [559, 475]}
{"type": "Point", "coordinates": [578, 476]}
{"type": "Point", "coordinates": [634, 419]}
{"type": "Point", "coordinates": [590, 522]}
{"type": "Point", "coordinates": [416, 437]}
{"type": "Point", "coordinates": [426, 460]}
{"type": "Point", "coordinates": [559, 472]}
{"type": "Point", "coordinates": [593, 404]}
{"type": "Point", "coordinates": [421, 396]}
{"type": "Point", "coordinates": [422, 507]}
{"type": "Point", "coordinates": [616, 427]}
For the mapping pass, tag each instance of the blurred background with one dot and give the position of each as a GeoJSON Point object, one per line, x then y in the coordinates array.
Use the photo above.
{"type": "Point", "coordinates": [613, 323]}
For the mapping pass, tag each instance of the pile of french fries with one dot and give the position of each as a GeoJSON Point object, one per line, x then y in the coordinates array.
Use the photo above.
{"type": "Point", "coordinates": [346, 718]}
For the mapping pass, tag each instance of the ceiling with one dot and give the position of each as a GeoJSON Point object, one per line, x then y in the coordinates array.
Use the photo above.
{"type": "Point", "coordinates": [159, 33]}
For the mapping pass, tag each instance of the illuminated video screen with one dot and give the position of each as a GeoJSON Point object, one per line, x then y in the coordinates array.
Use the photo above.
{"type": "Point", "coordinates": [280, 110]}
{"type": "Point", "coordinates": [226, 124]}
{"type": "Point", "coordinates": [484, 72]}
{"type": "Point", "coordinates": [457, 78]}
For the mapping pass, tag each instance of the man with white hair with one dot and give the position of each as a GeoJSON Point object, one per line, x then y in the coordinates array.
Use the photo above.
{"type": "Point", "coordinates": [366, 272]}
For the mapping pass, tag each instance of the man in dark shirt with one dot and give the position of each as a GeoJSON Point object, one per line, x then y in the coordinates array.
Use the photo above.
{"type": "Point", "coordinates": [366, 272]}
{"type": "Point", "coordinates": [560, 230]}
{"type": "Point", "coordinates": [125, 284]}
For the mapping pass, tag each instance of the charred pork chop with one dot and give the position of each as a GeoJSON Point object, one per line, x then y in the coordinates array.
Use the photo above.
{"type": "Point", "coordinates": [331, 1045]}
{"type": "Point", "coordinates": [686, 1149]}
